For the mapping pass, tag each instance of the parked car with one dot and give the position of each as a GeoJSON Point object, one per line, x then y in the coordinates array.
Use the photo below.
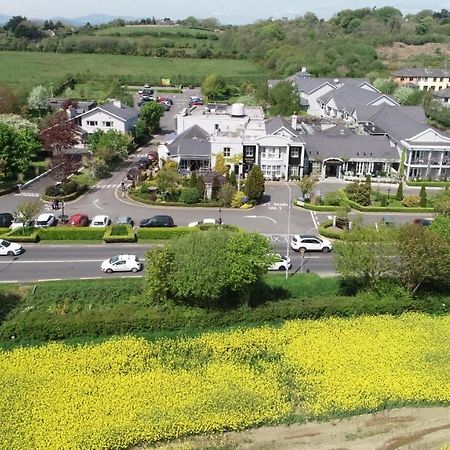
{"type": "Point", "coordinates": [45, 220]}
{"type": "Point", "coordinates": [144, 99]}
{"type": "Point", "coordinates": [167, 100]}
{"type": "Point", "coordinates": [133, 173]}
{"type": "Point", "coordinates": [147, 91]}
{"type": "Point", "coordinates": [79, 220]}
{"type": "Point", "coordinates": [423, 222]}
{"type": "Point", "coordinates": [100, 221]}
{"type": "Point", "coordinates": [388, 221]}
{"type": "Point", "coordinates": [310, 243]}
{"type": "Point", "coordinates": [6, 220]}
{"type": "Point", "coordinates": [152, 156]}
{"type": "Point", "coordinates": [165, 106]}
{"type": "Point", "coordinates": [157, 221]}
{"type": "Point", "coordinates": [18, 222]}
{"type": "Point", "coordinates": [282, 263]}
{"type": "Point", "coordinates": [204, 221]}
{"type": "Point", "coordinates": [195, 101]}
{"type": "Point", "coordinates": [143, 163]}
{"type": "Point", "coordinates": [146, 85]}
{"type": "Point", "coordinates": [10, 248]}
{"type": "Point", "coordinates": [125, 220]}
{"type": "Point", "coordinates": [122, 263]}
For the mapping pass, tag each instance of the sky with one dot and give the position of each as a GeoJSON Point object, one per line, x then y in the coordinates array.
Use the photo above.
{"type": "Point", "coordinates": [226, 11]}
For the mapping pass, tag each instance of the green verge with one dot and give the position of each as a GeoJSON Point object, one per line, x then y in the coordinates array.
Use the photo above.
{"type": "Point", "coordinates": [429, 183]}
{"type": "Point", "coordinates": [324, 230]}
{"type": "Point", "coordinates": [138, 198]}
{"type": "Point", "coordinates": [80, 311]}
{"type": "Point", "coordinates": [72, 233]}
{"type": "Point", "coordinates": [26, 234]}
{"type": "Point", "coordinates": [164, 233]}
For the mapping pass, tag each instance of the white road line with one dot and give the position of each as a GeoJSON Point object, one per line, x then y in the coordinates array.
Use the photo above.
{"type": "Point", "coordinates": [51, 261]}
{"type": "Point", "coordinates": [90, 278]}
{"type": "Point", "coordinates": [51, 279]}
{"type": "Point", "coordinates": [313, 216]}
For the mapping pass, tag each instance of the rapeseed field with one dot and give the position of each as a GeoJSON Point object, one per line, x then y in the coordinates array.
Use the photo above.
{"type": "Point", "coordinates": [128, 390]}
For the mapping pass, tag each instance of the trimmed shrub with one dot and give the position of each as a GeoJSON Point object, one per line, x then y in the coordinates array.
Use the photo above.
{"type": "Point", "coordinates": [238, 199]}
{"type": "Point", "coordinates": [335, 233]}
{"type": "Point", "coordinates": [120, 233]}
{"type": "Point", "coordinates": [399, 194]}
{"type": "Point", "coordinates": [4, 231]}
{"type": "Point", "coordinates": [359, 193]}
{"type": "Point", "coordinates": [411, 201]}
{"type": "Point", "coordinates": [333, 198]}
{"type": "Point", "coordinates": [71, 233]}
{"type": "Point", "coordinates": [27, 234]}
{"type": "Point", "coordinates": [383, 200]}
{"type": "Point", "coordinates": [164, 233]}
{"type": "Point", "coordinates": [423, 196]}
{"type": "Point", "coordinates": [189, 196]}
{"type": "Point", "coordinates": [429, 183]}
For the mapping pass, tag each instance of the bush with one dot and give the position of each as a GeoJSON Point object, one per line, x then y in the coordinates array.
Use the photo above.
{"type": "Point", "coordinates": [399, 194]}
{"type": "Point", "coordinates": [411, 201]}
{"type": "Point", "coordinates": [71, 233]}
{"type": "Point", "coordinates": [120, 233]}
{"type": "Point", "coordinates": [4, 231]}
{"type": "Point", "coordinates": [27, 234]}
{"type": "Point", "coordinates": [238, 199]}
{"type": "Point", "coordinates": [189, 196]}
{"type": "Point", "coordinates": [359, 193]}
{"type": "Point", "coordinates": [226, 194]}
{"type": "Point", "coordinates": [333, 198]}
{"type": "Point", "coordinates": [383, 200]}
{"type": "Point", "coordinates": [164, 233]}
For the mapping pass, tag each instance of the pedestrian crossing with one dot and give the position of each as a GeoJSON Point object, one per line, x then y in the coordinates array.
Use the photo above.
{"type": "Point", "coordinates": [106, 186]}
{"type": "Point", "coordinates": [28, 194]}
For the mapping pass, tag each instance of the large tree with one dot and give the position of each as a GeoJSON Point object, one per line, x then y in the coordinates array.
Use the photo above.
{"type": "Point", "coordinates": [150, 116]}
{"type": "Point", "coordinates": [254, 184]}
{"type": "Point", "coordinates": [58, 136]}
{"type": "Point", "coordinates": [209, 269]}
{"type": "Point", "coordinates": [283, 98]}
{"type": "Point", "coordinates": [38, 99]}
{"type": "Point", "coordinates": [111, 146]}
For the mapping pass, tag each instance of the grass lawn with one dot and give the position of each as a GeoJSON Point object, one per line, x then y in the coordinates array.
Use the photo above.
{"type": "Point", "coordinates": [85, 178]}
{"type": "Point", "coordinates": [28, 69]}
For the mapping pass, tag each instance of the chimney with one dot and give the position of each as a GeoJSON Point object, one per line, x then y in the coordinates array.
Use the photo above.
{"type": "Point", "coordinates": [294, 119]}
{"type": "Point", "coordinates": [117, 103]}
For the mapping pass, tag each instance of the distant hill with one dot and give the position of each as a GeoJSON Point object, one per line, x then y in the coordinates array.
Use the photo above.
{"type": "Point", "coordinates": [93, 19]}
{"type": "Point", "coordinates": [4, 19]}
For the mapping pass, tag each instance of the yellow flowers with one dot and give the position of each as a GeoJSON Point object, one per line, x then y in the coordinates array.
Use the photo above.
{"type": "Point", "coordinates": [127, 390]}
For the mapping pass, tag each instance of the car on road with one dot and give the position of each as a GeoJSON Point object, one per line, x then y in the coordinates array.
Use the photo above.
{"type": "Point", "coordinates": [79, 220]}
{"type": "Point", "coordinates": [423, 222]}
{"type": "Point", "coordinates": [10, 248]}
{"type": "Point", "coordinates": [6, 220]}
{"type": "Point", "coordinates": [204, 221]}
{"type": "Point", "coordinates": [45, 220]}
{"type": "Point", "coordinates": [282, 263]}
{"type": "Point", "coordinates": [310, 243]}
{"type": "Point", "coordinates": [121, 263]}
{"type": "Point", "coordinates": [125, 220]}
{"type": "Point", "coordinates": [100, 221]}
{"type": "Point", "coordinates": [157, 221]}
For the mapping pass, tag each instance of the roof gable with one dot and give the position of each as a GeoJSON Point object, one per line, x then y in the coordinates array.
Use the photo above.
{"type": "Point", "coordinates": [430, 135]}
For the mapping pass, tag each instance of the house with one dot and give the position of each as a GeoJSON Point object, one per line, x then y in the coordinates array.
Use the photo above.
{"type": "Point", "coordinates": [109, 116]}
{"type": "Point", "coordinates": [443, 95]}
{"type": "Point", "coordinates": [424, 79]}
{"type": "Point", "coordinates": [74, 107]}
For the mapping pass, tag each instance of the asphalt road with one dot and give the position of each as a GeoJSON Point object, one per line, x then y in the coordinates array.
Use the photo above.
{"type": "Point", "coordinates": [42, 262]}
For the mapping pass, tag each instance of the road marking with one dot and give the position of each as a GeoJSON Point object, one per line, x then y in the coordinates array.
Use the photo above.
{"type": "Point", "coordinates": [56, 261]}
{"type": "Point", "coordinates": [314, 219]}
{"type": "Point", "coordinates": [28, 194]}
{"type": "Point", "coordinates": [261, 217]}
{"type": "Point", "coordinates": [51, 279]}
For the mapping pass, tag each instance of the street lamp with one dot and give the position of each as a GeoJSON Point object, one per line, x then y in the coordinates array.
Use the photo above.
{"type": "Point", "coordinates": [220, 217]}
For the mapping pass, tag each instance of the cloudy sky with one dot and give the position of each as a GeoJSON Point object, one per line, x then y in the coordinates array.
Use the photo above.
{"type": "Point", "coordinates": [226, 11]}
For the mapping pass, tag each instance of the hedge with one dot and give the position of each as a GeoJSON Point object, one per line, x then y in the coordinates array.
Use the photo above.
{"type": "Point", "coordinates": [333, 234]}
{"type": "Point", "coordinates": [67, 198]}
{"type": "Point", "coordinates": [120, 233]}
{"type": "Point", "coordinates": [4, 231]}
{"type": "Point", "coordinates": [27, 234]}
{"type": "Point", "coordinates": [72, 233]}
{"type": "Point", "coordinates": [359, 207]}
{"type": "Point", "coordinates": [164, 233]}
{"type": "Point", "coordinates": [318, 207]}
{"type": "Point", "coordinates": [429, 183]}
{"type": "Point", "coordinates": [137, 198]}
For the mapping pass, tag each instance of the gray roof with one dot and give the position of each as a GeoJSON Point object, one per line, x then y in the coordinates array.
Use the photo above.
{"type": "Point", "coordinates": [350, 96]}
{"type": "Point", "coordinates": [366, 112]}
{"type": "Point", "coordinates": [192, 143]}
{"type": "Point", "coordinates": [124, 112]}
{"type": "Point", "coordinates": [442, 93]}
{"type": "Point", "coordinates": [422, 72]}
{"type": "Point", "coordinates": [278, 122]}
{"type": "Point", "coordinates": [309, 85]}
{"type": "Point", "coordinates": [340, 142]}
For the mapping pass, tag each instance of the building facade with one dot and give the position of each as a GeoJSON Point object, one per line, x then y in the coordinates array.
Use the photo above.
{"type": "Point", "coordinates": [424, 79]}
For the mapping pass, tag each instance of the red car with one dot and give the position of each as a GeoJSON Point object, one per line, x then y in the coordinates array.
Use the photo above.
{"type": "Point", "coordinates": [79, 220]}
{"type": "Point", "coordinates": [152, 156]}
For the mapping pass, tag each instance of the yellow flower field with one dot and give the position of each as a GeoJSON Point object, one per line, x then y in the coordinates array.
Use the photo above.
{"type": "Point", "coordinates": [128, 390]}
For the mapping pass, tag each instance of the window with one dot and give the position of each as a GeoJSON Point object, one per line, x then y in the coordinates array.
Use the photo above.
{"type": "Point", "coordinates": [107, 124]}
{"type": "Point", "coordinates": [92, 123]}
{"type": "Point", "coordinates": [294, 171]}
{"type": "Point", "coordinates": [227, 152]}
{"type": "Point", "coordinates": [249, 152]}
{"type": "Point", "coordinates": [184, 164]}
{"type": "Point", "coordinates": [294, 152]}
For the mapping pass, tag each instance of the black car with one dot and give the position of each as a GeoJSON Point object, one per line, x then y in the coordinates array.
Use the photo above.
{"type": "Point", "coordinates": [125, 220]}
{"type": "Point", "coordinates": [157, 221]}
{"type": "Point", "coordinates": [144, 162]}
{"type": "Point", "coordinates": [6, 219]}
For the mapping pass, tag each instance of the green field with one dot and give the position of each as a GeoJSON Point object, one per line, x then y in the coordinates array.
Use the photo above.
{"type": "Point", "coordinates": [156, 30]}
{"type": "Point", "coordinates": [27, 69]}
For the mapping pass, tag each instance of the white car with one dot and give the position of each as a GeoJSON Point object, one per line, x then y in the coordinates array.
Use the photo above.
{"type": "Point", "coordinates": [310, 243]}
{"type": "Point", "coordinates": [18, 223]}
{"type": "Point", "coordinates": [100, 221]}
{"type": "Point", "coordinates": [45, 220]}
{"type": "Point", "coordinates": [10, 248]}
{"type": "Point", "coordinates": [282, 263]}
{"type": "Point", "coordinates": [122, 263]}
{"type": "Point", "coordinates": [204, 221]}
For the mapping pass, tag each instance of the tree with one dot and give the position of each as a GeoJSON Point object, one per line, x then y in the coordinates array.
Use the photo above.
{"type": "Point", "coordinates": [111, 146]}
{"type": "Point", "coordinates": [17, 147]}
{"type": "Point", "coordinates": [385, 85]}
{"type": "Point", "coordinates": [28, 211]}
{"type": "Point", "coordinates": [399, 194]}
{"type": "Point", "coordinates": [424, 25]}
{"type": "Point", "coordinates": [254, 184]}
{"type": "Point", "coordinates": [359, 192]}
{"type": "Point", "coordinates": [168, 180]}
{"type": "Point", "coordinates": [214, 268]}
{"type": "Point", "coordinates": [189, 196]}
{"type": "Point", "coordinates": [226, 194]}
{"type": "Point", "coordinates": [442, 203]}
{"type": "Point", "coordinates": [220, 166]}
{"type": "Point", "coordinates": [307, 183]}
{"type": "Point", "coordinates": [150, 116]}
{"type": "Point", "coordinates": [233, 180]}
{"type": "Point", "coordinates": [423, 197]}
{"type": "Point", "coordinates": [58, 135]}
{"type": "Point", "coordinates": [38, 99]}
{"type": "Point", "coordinates": [8, 100]}
{"type": "Point", "coordinates": [422, 255]}
{"type": "Point", "coordinates": [284, 99]}
{"type": "Point", "coordinates": [201, 186]}
{"type": "Point", "coordinates": [366, 254]}
{"type": "Point", "coordinates": [215, 188]}
{"type": "Point", "coordinates": [193, 180]}
{"type": "Point", "coordinates": [215, 87]}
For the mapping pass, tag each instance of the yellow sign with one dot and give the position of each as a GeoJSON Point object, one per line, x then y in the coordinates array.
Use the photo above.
{"type": "Point", "coordinates": [165, 82]}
